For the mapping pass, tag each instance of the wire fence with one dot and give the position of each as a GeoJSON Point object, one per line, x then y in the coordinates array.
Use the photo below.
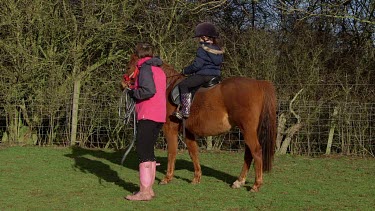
{"type": "Point", "coordinates": [306, 127]}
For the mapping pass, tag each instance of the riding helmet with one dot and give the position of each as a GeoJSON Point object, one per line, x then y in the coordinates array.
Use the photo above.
{"type": "Point", "coordinates": [206, 29]}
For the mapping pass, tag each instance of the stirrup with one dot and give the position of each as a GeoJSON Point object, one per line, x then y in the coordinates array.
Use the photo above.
{"type": "Point", "coordinates": [178, 115]}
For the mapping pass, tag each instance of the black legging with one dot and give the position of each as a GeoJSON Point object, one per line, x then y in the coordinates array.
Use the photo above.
{"type": "Point", "coordinates": [192, 82]}
{"type": "Point", "coordinates": [147, 135]}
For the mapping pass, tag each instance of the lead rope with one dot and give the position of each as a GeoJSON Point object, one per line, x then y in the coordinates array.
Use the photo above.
{"type": "Point", "coordinates": [130, 109]}
{"type": "Point", "coordinates": [128, 104]}
{"type": "Point", "coordinates": [132, 143]}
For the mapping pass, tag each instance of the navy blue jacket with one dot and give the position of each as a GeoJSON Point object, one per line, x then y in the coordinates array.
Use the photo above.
{"type": "Point", "coordinates": [207, 61]}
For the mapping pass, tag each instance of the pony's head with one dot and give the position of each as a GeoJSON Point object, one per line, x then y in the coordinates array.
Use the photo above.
{"type": "Point", "coordinates": [128, 78]}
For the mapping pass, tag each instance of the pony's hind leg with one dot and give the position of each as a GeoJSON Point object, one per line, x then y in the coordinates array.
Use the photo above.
{"type": "Point", "coordinates": [245, 169]}
{"type": "Point", "coordinates": [251, 140]}
{"type": "Point", "coordinates": [194, 155]}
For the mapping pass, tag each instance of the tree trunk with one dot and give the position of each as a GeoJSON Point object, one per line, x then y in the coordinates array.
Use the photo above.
{"type": "Point", "coordinates": [290, 133]}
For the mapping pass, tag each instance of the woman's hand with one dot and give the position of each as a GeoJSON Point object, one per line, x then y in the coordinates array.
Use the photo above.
{"type": "Point", "coordinates": [125, 84]}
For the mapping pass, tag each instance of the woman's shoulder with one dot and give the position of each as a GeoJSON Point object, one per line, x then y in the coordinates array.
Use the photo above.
{"type": "Point", "coordinates": [154, 61]}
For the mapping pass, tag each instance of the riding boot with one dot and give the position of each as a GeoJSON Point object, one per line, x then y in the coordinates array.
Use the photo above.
{"type": "Point", "coordinates": [186, 103]}
{"type": "Point", "coordinates": [146, 181]}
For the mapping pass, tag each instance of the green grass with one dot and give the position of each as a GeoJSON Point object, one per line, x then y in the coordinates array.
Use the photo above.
{"type": "Point", "coordinates": [34, 178]}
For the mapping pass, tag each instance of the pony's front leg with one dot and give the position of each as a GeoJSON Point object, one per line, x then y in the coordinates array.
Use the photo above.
{"type": "Point", "coordinates": [171, 165]}
{"type": "Point", "coordinates": [194, 155]}
{"type": "Point", "coordinates": [171, 135]}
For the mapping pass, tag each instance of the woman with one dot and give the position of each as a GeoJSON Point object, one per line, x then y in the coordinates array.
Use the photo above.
{"type": "Point", "coordinates": [149, 93]}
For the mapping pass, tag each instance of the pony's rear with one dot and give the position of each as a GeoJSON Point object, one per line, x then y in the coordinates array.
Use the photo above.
{"type": "Point", "coordinates": [251, 105]}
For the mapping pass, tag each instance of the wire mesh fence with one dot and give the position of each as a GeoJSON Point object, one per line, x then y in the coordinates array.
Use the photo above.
{"type": "Point", "coordinates": [306, 127]}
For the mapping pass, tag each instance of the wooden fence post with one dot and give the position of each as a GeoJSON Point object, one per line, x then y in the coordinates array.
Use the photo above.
{"type": "Point", "coordinates": [74, 126]}
{"type": "Point", "coordinates": [331, 130]}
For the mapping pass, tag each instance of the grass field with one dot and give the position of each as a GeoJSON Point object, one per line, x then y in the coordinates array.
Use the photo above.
{"type": "Point", "coordinates": [35, 178]}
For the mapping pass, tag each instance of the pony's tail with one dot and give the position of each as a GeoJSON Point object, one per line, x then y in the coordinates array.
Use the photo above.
{"type": "Point", "coordinates": [267, 127]}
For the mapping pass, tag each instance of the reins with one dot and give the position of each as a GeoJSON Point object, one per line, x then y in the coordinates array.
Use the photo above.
{"type": "Point", "coordinates": [134, 137]}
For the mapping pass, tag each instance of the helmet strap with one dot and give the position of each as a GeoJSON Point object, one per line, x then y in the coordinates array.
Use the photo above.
{"type": "Point", "coordinates": [206, 39]}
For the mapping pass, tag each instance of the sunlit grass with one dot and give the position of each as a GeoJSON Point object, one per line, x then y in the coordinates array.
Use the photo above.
{"type": "Point", "coordinates": [34, 178]}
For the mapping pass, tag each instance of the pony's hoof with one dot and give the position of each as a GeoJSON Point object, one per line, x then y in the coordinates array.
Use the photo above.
{"type": "Point", "coordinates": [194, 182]}
{"type": "Point", "coordinates": [254, 190]}
{"type": "Point", "coordinates": [196, 178]}
{"type": "Point", "coordinates": [163, 182]}
{"type": "Point", "coordinates": [238, 184]}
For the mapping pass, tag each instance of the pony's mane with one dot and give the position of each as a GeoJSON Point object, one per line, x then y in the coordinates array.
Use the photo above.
{"type": "Point", "coordinates": [168, 69]}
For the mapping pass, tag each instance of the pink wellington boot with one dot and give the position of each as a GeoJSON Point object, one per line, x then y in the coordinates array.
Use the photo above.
{"type": "Point", "coordinates": [153, 171]}
{"type": "Point", "coordinates": [146, 178]}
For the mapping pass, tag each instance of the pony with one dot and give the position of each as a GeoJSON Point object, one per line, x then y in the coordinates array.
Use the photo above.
{"type": "Point", "coordinates": [246, 103]}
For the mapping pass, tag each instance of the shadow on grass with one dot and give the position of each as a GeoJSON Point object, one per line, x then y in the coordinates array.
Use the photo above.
{"type": "Point", "coordinates": [100, 169]}
{"type": "Point", "coordinates": [104, 172]}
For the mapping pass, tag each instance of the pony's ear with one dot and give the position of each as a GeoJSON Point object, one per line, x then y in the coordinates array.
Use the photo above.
{"type": "Point", "coordinates": [134, 57]}
{"type": "Point", "coordinates": [132, 63]}
{"type": "Point", "coordinates": [133, 60]}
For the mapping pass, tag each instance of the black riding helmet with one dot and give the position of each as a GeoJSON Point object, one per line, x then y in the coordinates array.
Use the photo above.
{"type": "Point", "coordinates": [206, 29]}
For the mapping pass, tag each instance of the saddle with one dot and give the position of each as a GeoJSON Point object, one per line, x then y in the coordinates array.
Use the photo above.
{"type": "Point", "coordinates": [175, 93]}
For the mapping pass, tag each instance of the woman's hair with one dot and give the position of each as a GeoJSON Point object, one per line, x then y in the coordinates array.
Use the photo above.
{"type": "Point", "coordinates": [144, 49]}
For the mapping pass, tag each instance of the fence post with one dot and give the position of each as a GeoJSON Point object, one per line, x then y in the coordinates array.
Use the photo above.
{"type": "Point", "coordinates": [209, 142]}
{"type": "Point", "coordinates": [76, 93]}
{"type": "Point", "coordinates": [331, 130]}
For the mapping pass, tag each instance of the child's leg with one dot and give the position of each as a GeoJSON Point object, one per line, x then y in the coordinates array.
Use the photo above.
{"type": "Point", "coordinates": [186, 86]}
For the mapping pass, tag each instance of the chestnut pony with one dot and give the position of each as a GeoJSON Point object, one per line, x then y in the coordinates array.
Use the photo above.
{"type": "Point", "coordinates": [237, 101]}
